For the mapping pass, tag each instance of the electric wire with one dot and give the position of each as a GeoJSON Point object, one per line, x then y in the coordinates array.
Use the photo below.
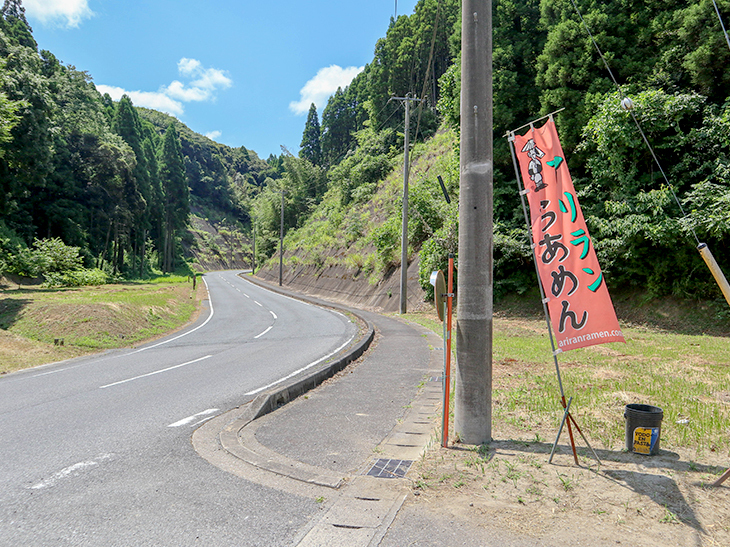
{"type": "Point", "coordinates": [397, 109]}
{"type": "Point", "coordinates": [636, 121]}
{"type": "Point", "coordinates": [428, 68]}
{"type": "Point", "coordinates": [721, 23]}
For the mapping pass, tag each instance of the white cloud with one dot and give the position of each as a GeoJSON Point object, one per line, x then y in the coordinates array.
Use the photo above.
{"type": "Point", "coordinates": [177, 90]}
{"type": "Point", "coordinates": [207, 78]}
{"type": "Point", "coordinates": [170, 98]}
{"type": "Point", "coordinates": [325, 83]}
{"type": "Point", "coordinates": [188, 66]}
{"type": "Point", "coordinates": [67, 12]}
{"type": "Point", "coordinates": [213, 135]}
{"type": "Point", "coordinates": [212, 78]}
{"type": "Point", "coordinates": [148, 99]}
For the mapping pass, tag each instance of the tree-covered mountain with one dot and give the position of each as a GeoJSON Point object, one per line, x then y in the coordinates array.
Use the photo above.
{"type": "Point", "coordinates": [119, 182]}
{"type": "Point", "coordinates": [671, 57]}
{"type": "Point", "coordinates": [115, 181]}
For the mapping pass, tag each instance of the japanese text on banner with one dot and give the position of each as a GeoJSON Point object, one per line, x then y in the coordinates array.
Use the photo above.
{"type": "Point", "coordinates": [580, 308]}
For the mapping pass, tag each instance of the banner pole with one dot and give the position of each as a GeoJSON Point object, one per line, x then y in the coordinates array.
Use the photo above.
{"type": "Point", "coordinates": [544, 300]}
{"type": "Point", "coordinates": [523, 191]}
{"type": "Point", "coordinates": [566, 413]}
{"type": "Point", "coordinates": [447, 345]}
{"type": "Point", "coordinates": [533, 122]}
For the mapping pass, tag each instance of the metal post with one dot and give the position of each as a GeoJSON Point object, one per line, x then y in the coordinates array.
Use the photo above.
{"type": "Point", "coordinates": [473, 395]}
{"type": "Point", "coordinates": [448, 304]}
{"type": "Point", "coordinates": [253, 260]}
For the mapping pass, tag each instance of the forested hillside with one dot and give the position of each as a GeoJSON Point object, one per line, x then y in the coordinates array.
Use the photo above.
{"type": "Point", "coordinates": [132, 189]}
{"type": "Point", "coordinates": [106, 182]}
{"type": "Point", "coordinates": [670, 57]}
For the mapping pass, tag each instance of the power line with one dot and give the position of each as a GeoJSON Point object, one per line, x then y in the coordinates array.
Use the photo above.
{"type": "Point", "coordinates": [627, 105]}
{"type": "Point", "coordinates": [721, 23]}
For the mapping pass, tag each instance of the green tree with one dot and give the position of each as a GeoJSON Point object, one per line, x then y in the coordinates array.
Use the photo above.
{"type": "Point", "coordinates": [570, 71]}
{"type": "Point", "coordinates": [694, 54]}
{"type": "Point", "coordinates": [15, 25]}
{"type": "Point", "coordinates": [311, 149]}
{"type": "Point", "coordinates": [127, 124]}
{"type": "Point", "coordinates": [640, 236]}
{"type": "Point", "coordinates": [337, 126]}
{"type": "Point", "coordinates": [176, 195]}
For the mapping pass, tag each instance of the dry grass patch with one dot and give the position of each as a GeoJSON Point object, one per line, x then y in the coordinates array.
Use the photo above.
{"type": "Point", "coordinates": [40, 325]}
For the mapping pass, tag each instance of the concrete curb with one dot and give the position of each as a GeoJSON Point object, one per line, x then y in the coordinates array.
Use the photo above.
{"type": "Point", "coordinates": [243, 444]}
{"type": "Point", "coordinates": [269, 401]}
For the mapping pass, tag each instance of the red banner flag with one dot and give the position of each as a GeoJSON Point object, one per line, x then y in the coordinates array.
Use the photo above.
{"type": "Point", "coordinates": [580, 308]}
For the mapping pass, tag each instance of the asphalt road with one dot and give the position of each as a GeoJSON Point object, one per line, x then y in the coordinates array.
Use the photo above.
{"type": "Point", "coordinates": [97, 451]}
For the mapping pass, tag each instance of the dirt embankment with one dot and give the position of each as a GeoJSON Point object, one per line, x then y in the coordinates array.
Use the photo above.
{"type": "Point", "coordinates": [348, 286]}
{"type": "Point", "coordinates": [216, 249]}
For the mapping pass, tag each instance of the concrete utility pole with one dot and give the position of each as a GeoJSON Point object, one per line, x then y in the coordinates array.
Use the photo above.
{"type": "Point", "coordinates": [404, 231]}
{"type": "Point", "coordinates": [281, 239]}
{"type": "Point", "coordinates": [473, 394]}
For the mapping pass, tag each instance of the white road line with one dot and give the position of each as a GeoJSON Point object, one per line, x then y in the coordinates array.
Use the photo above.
{"type": "Point", "coordinates": [192, 418]}
{"type": "Point", "coordinates": [273, 314]}
{"type": "Point", "coordinates": [155, 372]}
{"type": "Point", "coordinates": [63, 473]}
{"type": "Point", "coordinates": [260, 335]}
{"type": "Point", "coordinates": [310, 365]}
{"type": "Point", "coordinates": [258, 303]}
{"type": "Point", "coordinates": [210, 301]}
{"type": "Point", "coordinates": [55, 371]}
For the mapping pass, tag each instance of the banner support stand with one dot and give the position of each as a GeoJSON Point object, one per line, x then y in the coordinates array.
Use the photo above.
{"type": "Point", "coordinates": [567, 417]}
{"type": "Point", "coordinates": [448, 305]}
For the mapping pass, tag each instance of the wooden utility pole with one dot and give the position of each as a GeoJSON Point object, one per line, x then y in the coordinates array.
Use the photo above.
{"type": "Point", "coordinates": [473, 394]}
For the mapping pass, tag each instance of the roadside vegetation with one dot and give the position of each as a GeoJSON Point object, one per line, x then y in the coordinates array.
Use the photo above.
{"type": "Point", "coordinates": [680, 366]}
{"type": "Point", "coordinates": [676, 357]}
{"type": "Point", "coordinates": [40, 324]}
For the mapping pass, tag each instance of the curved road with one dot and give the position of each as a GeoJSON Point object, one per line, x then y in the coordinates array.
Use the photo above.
{"type": "Point", "coordinates": [97, 451]}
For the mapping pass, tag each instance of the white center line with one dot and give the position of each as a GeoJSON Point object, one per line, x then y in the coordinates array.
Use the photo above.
{"type": "Point", "coordinates": [258, 303]}
{"type": "Point", "coordinates": [260, 335]}
{"type": "Point", "coordinates": [210, 302]}
{"type": "Point", "coordinates": [273, 314]}
{"type": "Point", "coordinates": [155, 372]}
{"type": "Point", "coordinates": [192, 418]}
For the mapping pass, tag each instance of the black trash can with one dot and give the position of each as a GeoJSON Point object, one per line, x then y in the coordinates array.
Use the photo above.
{"type": "Point", "coordinates": [643, 428]}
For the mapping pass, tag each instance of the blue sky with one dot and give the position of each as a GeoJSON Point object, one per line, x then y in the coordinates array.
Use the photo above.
{"type": "Point", "coordinates": [242, 72]}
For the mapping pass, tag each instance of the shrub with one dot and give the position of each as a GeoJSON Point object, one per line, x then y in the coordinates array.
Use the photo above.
{"type": "Point", "coordinates": [76, 278]}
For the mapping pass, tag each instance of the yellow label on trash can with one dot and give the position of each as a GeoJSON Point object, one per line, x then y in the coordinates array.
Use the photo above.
{"type": "Point", "coordinates": [644, 439]}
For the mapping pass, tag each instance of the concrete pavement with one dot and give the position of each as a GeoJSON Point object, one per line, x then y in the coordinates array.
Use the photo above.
{"type": "Point", "coordinates": [353, 437]}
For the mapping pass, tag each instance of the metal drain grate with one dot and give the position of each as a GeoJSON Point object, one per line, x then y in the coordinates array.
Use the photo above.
{"type": "Point", "coordinates": [390, 469]}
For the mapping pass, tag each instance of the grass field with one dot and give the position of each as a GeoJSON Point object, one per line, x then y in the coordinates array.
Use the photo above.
{"type": "Point", "coordinates": [40, 325]}
{"type": "Point", "coordinates": [687, 375]}
{"type": "Point", "coordinates": [676, 356]}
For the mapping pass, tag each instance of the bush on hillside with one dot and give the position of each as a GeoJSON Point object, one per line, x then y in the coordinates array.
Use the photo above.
{"type": "Point", "coordinates": [76, 278]}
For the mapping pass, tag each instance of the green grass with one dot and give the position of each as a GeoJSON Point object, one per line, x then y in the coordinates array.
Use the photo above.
{"type": "Point", "coordinates": [684, 374]}
{"type": "Point", "coordinates": [88, 319]}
